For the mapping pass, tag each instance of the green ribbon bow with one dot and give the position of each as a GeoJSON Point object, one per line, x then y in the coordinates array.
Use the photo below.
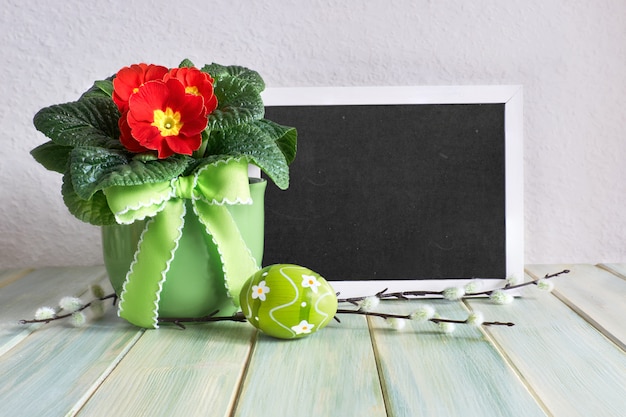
{"type": "Point", "coordinates": [210, 189]}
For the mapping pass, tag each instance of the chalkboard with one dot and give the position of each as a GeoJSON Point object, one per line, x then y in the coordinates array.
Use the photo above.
{"type": "Point", "coordinates": [395, 191]}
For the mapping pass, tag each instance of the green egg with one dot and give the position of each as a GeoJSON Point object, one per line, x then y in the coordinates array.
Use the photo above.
{"type": "Point", "coordinates": [288, 301]}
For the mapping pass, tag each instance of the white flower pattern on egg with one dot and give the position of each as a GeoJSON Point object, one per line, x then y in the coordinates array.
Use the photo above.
{"type": "Point", "coordinates": [304, 327]}
{"type": "Point", "coordinates": [260, 291]}
{"type": "Point", "coordinates": [301, 302]}
{"type": "Point", "coordinates": [309, 281]}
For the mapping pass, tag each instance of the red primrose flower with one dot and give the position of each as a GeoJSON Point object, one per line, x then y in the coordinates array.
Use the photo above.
{"type": "Point", "coordinates": [163, 110]}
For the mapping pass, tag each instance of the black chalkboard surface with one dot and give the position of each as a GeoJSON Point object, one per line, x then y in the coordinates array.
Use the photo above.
{"type": "Point", "coordinates": [394, 191]}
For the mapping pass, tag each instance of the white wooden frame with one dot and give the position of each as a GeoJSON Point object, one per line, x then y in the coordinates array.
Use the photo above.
{"type": "Point", "coordinates": [509, 95]}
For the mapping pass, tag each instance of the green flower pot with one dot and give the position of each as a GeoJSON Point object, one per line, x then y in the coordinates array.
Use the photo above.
{"type": "Point", "coordinates": [194, 285]}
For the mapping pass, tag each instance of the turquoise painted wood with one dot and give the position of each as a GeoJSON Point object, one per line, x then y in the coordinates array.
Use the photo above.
{"type": "Point", "coordinates": [425, 372]}
{"type": "Point", "coordinates": [564, 357]}
{"type": "Point", "coordinates": [11, 275]}
{"type": "Point", "coordinates": [593, 293]}
{"type": "Point", "coordinates": [617, 269]}
{"type": "Point", "coordinates": [50, 372]}
{"type": "Point", "coordinates": [331, 373]}
{"type": "Point", "coordinates": [572, 368]}
{"type": "Point", "coordinates": [25, 292]}
{"type": "Point", "coordinates": [174, 372]}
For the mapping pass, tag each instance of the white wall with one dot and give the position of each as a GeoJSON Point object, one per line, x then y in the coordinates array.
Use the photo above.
{"type": "Point", "coordinates": [569, 55]}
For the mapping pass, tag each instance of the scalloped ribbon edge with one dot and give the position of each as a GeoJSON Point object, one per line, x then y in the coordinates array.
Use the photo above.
{"type": "Point", "coordinates": [224, 201]}
{"type": "Point", "coordinates": [159, 203]}
{"type": "Point", "coordinates": [155, 311]}
{"type": "Point", "coordinates": [221, 255]}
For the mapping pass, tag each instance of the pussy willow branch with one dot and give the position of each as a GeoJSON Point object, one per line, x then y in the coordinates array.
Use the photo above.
{"type": "Point", "coordinates": [534, 281]}
{"type": "Point", "coordinates": [239, 317]}
{"type": "Point", "coordinates": [64, 316]}
{"type": "Point", "coordinates": [409, 317]}
{"type": "Point", "coordinates": [406, 295]}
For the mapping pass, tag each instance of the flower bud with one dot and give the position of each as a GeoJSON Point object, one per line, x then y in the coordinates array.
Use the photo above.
{"type": "Point", "coordinates": [45, 313]}
{"type": "Point", "coordinates": [70, 303]}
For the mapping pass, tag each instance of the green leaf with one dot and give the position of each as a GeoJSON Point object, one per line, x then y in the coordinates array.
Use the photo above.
{"type": "Point", "coordinates": [52, 156]}
{"type": "Point", "coordinates": [238, 91]}
{"type": "Point", "coordinates": [238, 103]}
{"type": "Point", "coordinates": [101, 88]}
{"type": "Point", "coordinates": [186, 63]}
{"type": "Point", "coordinates": [87, 122]}
{"type": "Point", "coordinates": [286, 137]}
{"type": "Point", "coordinates": [95, 210]}
{"type": "Point", "coordinates": [94, 169]}
{"type": "Point", "coordinates": [250, 77]}
{"type": "Point", "coordinates": [257, 145]}
{"type": "Point", "coordinates": [89, 165]}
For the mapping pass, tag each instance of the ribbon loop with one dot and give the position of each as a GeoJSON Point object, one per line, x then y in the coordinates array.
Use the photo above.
{"type": "Point", "coordinates": [136, 202]}
{"type": "Point", "coordinates": [223, 183]}
{"type": "Point", "coordinates": [211, 188]}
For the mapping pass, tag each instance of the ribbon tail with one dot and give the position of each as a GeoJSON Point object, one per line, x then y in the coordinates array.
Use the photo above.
{"type": "Point", "coordinates": [139, 299]}
{"type": "Point", "coordinates": [238, 264]}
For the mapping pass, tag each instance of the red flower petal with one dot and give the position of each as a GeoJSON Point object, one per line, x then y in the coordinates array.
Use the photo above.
{"type": "Point", "coordinates": [126, 138]}
{"type": "Point", "coordinates": [150, 96]}
{"type": "Point", "coordinates": [148, 136]}
{"type": "Point", "coordinates": [184, 145]}
{"type": "Point", "coordinates": [129, 79]}
{"type": "Point", "coordinates": [163, 117]}
{"type": "Point", "coordinates": [194, 126]}
{"type": "Point", "coordinates": [178, 99]}
{"type": "Point", "coordinates": [196, 82]}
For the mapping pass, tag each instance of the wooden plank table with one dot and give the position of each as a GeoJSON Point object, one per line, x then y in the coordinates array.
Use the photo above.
{"type": "Point", "coordinates": [564, 357]}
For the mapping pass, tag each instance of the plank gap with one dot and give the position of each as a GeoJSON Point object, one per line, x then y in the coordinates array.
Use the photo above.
{"type": "Point", "coordinates": [379, 371]}
{"type": "Point", "coordinates": [509, 361]}
{"type": "Point", "coordinates": [595, 324]}
{"type": "Point", "coordinates": [29, 329]}
{"type": "Point", "coordinates": [244, 374]}
{"type": "Point", "coordinates": [80, 403]}
{"type": "Point", "coordinates": [587, 317]}
{"type": "Point", "coordinates": [612, 270]}
{"type": "Point", "coordinates": [18, 338]}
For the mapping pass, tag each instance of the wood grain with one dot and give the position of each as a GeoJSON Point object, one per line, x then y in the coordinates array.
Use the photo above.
{"type": "Point", "coordinates": [44, 287]}
{"type": "Point", "coordinates": [426, 372]}
{"type": "Point", "coordinates": [330, 373]}
{"type": "Point", "coordinates": [173, 372]}
{"type": "Point", "coordinates": [573, 368]}
{"type": "Point", "coordinates": [9, 276]}
{"type": "Point", "coordinates": [564, 357]}
{"type": "Point", "coordinates": [617, 269]}
{"type": "Point", "coordinates": [592, 292]}
{"type": "Point", "coordinates": [49, 372]}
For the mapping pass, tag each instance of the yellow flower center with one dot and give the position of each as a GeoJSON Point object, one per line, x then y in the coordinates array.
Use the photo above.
{"type": "Point", "coordinates": [168, 122]}
{"type": "Point", "coordinates": [192, 89]}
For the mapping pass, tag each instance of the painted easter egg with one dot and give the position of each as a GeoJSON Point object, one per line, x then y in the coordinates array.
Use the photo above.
{"type": "Point", "coordinates": [288, 301]}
